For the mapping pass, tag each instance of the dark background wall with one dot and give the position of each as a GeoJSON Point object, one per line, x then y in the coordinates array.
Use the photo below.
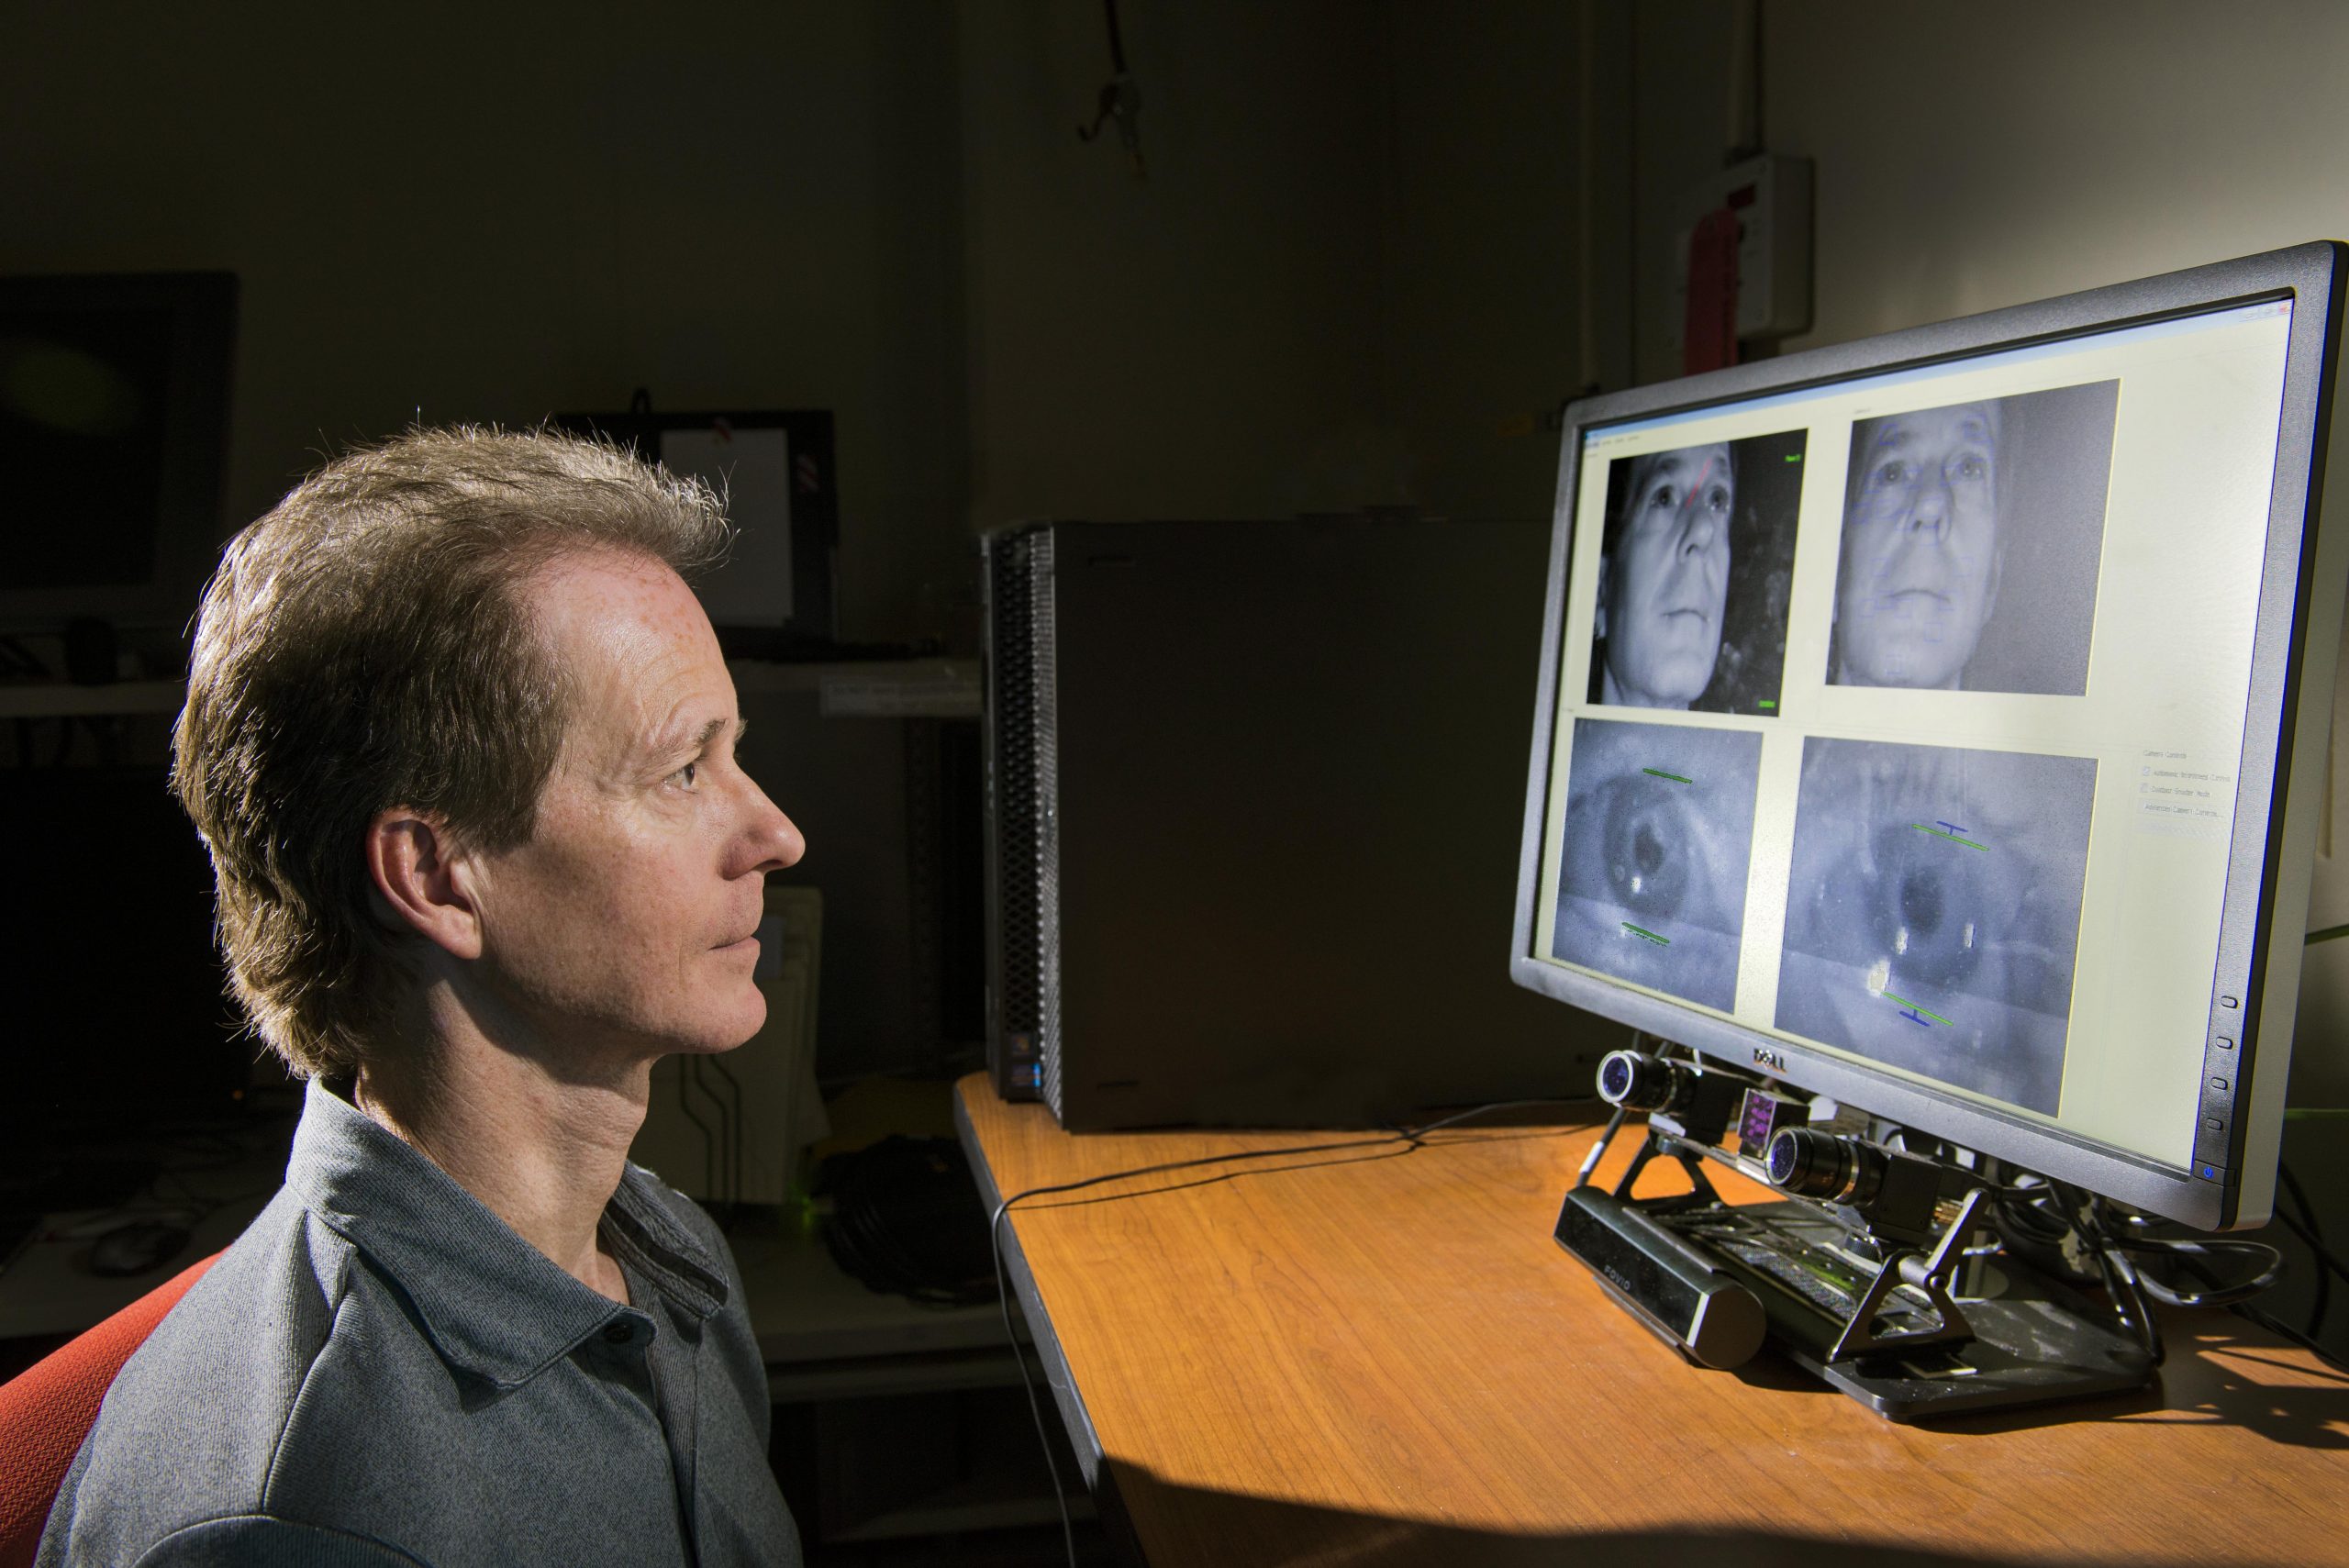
{"type": "Point", "coordinates": [1379, 240]}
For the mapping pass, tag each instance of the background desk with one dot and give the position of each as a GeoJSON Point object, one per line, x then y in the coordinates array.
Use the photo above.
{"type": "Point", "coordinates": [1380, 1356]}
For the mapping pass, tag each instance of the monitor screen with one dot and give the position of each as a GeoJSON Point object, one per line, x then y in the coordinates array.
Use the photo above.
{"type": "Point", "coordinates": [1911, 722]}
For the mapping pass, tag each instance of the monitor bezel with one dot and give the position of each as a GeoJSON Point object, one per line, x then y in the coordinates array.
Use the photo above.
{"type": "Point", "coordinates": [2279, 784]}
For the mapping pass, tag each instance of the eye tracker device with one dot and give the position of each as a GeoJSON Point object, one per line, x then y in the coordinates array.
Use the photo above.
{"type": "Point", "coordinates": [1930, 743]}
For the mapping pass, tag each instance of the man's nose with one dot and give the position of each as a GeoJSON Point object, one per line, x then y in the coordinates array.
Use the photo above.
{"type": "Point", "coordinates": [770, 841]}
{"type": "Point", "coordinates": [1929, 507]}
{"type": "Point", "coordinates": [1701, 526]}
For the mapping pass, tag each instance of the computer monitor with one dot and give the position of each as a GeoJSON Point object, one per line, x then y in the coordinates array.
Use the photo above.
{"type": "Point", "coordinates": [114, 431]}
{"type": "Point", "coordinates": [1937, 723]}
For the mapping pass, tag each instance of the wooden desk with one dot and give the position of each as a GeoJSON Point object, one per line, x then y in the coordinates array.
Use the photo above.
{"type": "Point", "coordinates": [1380, 1356]}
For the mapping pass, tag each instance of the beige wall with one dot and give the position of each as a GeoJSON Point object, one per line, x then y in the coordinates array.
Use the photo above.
{"type": "Point", "coordinates": [1968, 159]}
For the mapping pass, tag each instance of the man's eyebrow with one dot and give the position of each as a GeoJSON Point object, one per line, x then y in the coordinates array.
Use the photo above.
{"type": "Point", "coordinates": [716, 727]}
{"type": "Point", "coordinates": [699, 740]}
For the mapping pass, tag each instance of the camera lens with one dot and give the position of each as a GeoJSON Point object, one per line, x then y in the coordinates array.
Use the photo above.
{"type": "Point", "coordinates": [1615, 1077]}
{"type": "Point", "coordinates": [1638, 1082]}
{"type": "Point", "coordinates": [1810, 1163]}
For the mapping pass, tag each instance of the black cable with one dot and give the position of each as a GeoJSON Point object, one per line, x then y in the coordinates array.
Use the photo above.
{"type": "Point", "coordinates": [2276, 1326]}
{"type": "Point", "coordinates": [1411, 1137]}
{"type": "Point", "coordinates": [2305, 1228]}
{"type": "Point", "coordinates": [2122, 1280]}
{"type": "Point", "coordinates": [2190, 1256]}
{"type": "Point", "coordinates": [1116, 39]}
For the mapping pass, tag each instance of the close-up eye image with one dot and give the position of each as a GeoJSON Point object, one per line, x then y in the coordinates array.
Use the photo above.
{"type": "Point", "coordinates": [1658, 834]}
{"type": "Point", "coordinates": [1934, 910]}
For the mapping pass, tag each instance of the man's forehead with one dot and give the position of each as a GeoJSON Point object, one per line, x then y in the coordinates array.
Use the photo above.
{"type": "Point", "coordinates": [1962, 422]}
{"type": "Point", "coordinates": [1683, 460]}
{"type": "Point", "coordinates": [643, 666]}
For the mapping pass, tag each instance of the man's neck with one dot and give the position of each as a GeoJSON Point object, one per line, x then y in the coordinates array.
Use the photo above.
{"type": "Point", "coordinates": [544, 1155]}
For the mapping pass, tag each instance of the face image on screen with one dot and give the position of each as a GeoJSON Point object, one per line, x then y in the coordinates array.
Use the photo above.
{"type": "Point", "coordinates": [1971, 538]}
{"type": "Point", "coordinates": [1695, 573]}
{"type": "Point", "coordinates": [1934, 910]}
{"type": "Point", "coordinates": [1652, 875]}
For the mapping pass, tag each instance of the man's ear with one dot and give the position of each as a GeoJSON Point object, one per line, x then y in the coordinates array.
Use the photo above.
{"type": "Point", "coordinates": [423, 883]}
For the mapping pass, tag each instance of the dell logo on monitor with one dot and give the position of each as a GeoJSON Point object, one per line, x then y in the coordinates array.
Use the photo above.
{"type": "Point", "coordinates": [1764, 1057]}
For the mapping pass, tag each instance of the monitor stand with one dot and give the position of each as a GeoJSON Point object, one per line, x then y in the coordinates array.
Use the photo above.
{"type": "Point", "coordinates": [1913, 1332]}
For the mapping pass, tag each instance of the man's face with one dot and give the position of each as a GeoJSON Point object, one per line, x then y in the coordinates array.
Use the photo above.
{"type": "Point", "coordinates": [1921, 548]}
{"type": "Point", "coordinates": [1660, 600]}
{"type": "Point", "coordinates": [626, 922]}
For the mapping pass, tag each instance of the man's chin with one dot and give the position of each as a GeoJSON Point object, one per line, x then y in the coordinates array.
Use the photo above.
{"type": "Point", "coordinates": [1925, 666]}
{"type": "Point", "coordinates": [736, 1028]}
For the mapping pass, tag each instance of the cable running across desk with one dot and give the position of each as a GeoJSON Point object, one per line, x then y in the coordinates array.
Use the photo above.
{"type": "Point", "coordinates": [1411, 1137]}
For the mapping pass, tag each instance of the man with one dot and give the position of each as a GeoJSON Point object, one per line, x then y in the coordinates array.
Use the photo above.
{"type": "Point", "coordinates": [1664, 578]}
{"type": "Point", "coordinates": [1920, 572]}
{"type": "Point", "coordinates": [463, 747]}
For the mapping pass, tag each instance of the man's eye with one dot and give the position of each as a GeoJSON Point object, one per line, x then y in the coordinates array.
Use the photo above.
{"type": "Point", "coordinates": [1969, 465]}
{"type": "Point", "coordinates": [1663, 498]}
{"type": "Point", "coordinates": [686, 775]}
{"type": "Point", "coordinates": [1716, 500]}
{"type": "Point", "coordinates": [1893, 472]}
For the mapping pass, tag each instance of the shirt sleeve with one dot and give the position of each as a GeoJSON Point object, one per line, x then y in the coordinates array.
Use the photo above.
{"type": "Point", "coordinates": [257, 1540]}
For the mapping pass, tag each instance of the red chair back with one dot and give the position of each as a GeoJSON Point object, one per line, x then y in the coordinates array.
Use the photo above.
{"type": "Point", "coordinates": [48, 1410]}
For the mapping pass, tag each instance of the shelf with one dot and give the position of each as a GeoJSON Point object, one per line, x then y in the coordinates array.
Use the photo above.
{"type": "Point", "coordinates": [62, 701]}
{"type": "Point", "coordinates": [966, 1507]}
{"type": "Point", "coordinates": [890, 688]}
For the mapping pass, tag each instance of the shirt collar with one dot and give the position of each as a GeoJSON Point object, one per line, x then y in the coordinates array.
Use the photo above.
{"type": "Point", "coordinates": [490, 1302]}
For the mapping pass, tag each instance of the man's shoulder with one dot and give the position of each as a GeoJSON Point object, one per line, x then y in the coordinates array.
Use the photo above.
{"type": "Point", "coordinates": [191, 1423]}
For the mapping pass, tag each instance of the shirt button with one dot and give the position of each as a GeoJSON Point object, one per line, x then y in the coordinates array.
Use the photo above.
{"type": "Point", "coordinates": [619, 1334]}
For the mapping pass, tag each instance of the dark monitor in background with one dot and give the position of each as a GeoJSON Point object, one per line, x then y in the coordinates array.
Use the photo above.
{"type": "Point", "coordinates": [114, 418]}
{"type": "Point", "coordinates": [2014, 851]}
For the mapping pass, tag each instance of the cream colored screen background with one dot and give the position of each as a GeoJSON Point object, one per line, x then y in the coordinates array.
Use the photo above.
{"type": "Point", "coordinates": [2169, 667]}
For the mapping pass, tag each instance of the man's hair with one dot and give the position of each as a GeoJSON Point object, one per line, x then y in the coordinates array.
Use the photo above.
{"type": "Point", "coordinates": [367, 645]}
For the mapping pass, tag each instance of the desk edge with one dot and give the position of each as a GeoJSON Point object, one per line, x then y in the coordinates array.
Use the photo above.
{"type": "Point", "coordinates": [1073, 1415]}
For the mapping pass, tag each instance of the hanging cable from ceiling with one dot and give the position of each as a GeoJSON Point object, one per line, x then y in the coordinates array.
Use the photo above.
{"type": "Point", "coordinates": [1119, 100]}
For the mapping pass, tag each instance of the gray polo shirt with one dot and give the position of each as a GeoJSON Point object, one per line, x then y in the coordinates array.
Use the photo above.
{"type": "Point", "coordinates": [381, 1372]}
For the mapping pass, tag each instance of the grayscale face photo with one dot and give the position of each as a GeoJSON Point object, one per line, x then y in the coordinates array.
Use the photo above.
{"type": "Point", "coordinates": [1695, 575]}
{"type": "Point", "coordinates": [1934, 911]}
{"type": "Point", "coordinates": [1666, 579]}
{"type": "Point", "coordinates": [1972, 535]}
{"type": "Point", "coordinates": [1651, 877]}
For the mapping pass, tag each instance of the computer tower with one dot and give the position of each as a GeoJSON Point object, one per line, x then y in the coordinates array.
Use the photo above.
{"type": "Point", "coordinates": [1253, 793]}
